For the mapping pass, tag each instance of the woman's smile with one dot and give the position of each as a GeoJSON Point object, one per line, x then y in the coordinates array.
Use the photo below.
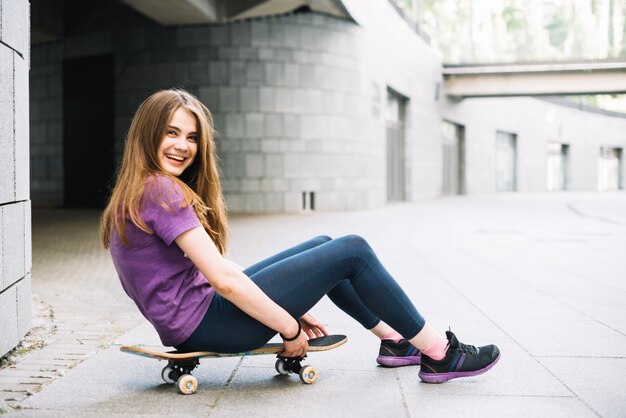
{"type": "Point", "coordinates": [175, 159]}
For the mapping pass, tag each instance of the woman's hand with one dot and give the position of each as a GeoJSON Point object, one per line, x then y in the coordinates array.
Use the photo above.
{"type": "Point", "coordinates": [297, 347]}
{"type": "Point", "coordinates": [312, 327]}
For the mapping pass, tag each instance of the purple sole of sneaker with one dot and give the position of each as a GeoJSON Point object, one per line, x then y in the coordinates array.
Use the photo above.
{"type": "Point", "coordinates": [388, 361]}
{"type": "Point", "coordinates": [444, 377]}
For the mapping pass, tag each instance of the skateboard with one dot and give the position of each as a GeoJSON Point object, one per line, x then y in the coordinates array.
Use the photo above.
{"type": "Point", "coordinates": [180, 365]}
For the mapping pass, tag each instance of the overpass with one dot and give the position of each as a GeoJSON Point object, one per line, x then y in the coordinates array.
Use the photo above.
{"type": "Point", "coordinates": [535, 79]}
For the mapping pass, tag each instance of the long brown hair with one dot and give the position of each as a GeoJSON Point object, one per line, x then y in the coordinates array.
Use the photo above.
{"type": "Point", "coordinates": [200, 182]}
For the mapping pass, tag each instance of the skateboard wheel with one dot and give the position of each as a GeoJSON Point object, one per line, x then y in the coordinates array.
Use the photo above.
{"type": "Point", "coordinates": [280, 367]}
{"type": "Point", "coordinates": [169, 375]}
{"type": "Point", "coordinates": [308, 375]}
{"type": "Point", "coordinates": [187, 384]}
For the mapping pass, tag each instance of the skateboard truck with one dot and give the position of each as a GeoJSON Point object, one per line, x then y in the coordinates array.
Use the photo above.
{"type": "Point", "coordinates": [288, 365]}
{"type": "Point", "coordinates": [183, 367]}
{"type": "Point", "coordinates": [178, 372]}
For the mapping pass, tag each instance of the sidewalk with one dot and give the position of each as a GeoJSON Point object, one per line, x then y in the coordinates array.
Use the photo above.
{"type": "Point", "coordinates": [541, 275]}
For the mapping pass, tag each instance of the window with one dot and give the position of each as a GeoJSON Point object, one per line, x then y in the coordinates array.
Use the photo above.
{"type": "Point", "coordinates": [557, 166]}
{"type": "Point", "coordinates": [610, 169]}
{"type": "Point", "coordinates": [453, 142]}
{"type": "Point", "coordinates": [506, 162]}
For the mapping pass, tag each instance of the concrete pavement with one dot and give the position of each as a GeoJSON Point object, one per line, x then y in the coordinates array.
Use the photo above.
{"type": "Point", "coordinates": [541, 275]}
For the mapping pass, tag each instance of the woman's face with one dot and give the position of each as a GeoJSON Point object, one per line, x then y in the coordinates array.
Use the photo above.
{"type": "Point", "coordinates": [179, 145]}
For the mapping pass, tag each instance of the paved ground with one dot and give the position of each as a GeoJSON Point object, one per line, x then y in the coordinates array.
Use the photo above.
{"type": "Point", "coordinates": [541, 275]}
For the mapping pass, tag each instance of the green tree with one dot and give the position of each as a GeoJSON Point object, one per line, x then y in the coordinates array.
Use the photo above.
{"type": "Point", "coordinates": [557, 28]}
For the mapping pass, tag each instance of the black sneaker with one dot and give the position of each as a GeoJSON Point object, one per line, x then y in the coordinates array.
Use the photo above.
{"type": "Point", "coordinates": [461, 360]}
{"type": "Point", "coordinates": [396, 354]}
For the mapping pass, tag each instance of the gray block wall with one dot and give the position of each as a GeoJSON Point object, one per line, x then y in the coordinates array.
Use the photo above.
{"type": "Point", "coordinates": [15, 220]}
{"type": "Point", "coordinates": [46, 126]}
{"type": "Point", "coordinates": [298, 102]}
{"type": "Point", "coordinates": [296, 107]}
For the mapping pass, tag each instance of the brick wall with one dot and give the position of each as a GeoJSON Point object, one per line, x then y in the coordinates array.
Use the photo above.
{"type": "Point", "coordinates": [15, 239]}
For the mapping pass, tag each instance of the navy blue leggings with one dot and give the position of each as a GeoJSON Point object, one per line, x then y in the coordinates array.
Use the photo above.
{"type": "Point", "coordinates": [346, 269]}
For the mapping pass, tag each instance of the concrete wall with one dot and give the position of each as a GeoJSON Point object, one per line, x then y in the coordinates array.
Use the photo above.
{"type": "Point", "coordinates": [399, 59]}
{"type": "Point", "coordinates": [15, 239]}
{"type": "Point", "coordinates": [298, 101]}
{"type": "Point", "coordinates": [535, 122]}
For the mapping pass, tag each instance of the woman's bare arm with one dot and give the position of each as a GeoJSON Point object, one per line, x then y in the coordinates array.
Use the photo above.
{"type": "Point", "coordinates": [235, 265]}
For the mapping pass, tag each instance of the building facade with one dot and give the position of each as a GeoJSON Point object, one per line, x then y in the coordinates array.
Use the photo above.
{"type": "Point", "coordinates": [534, 145]}
{"type": "Point", "coordinates": [312, 111]}
{"type": "Point", "coordinates": [299, 103]}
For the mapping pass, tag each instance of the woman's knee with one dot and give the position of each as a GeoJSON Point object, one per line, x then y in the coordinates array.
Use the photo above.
{"type": "Point", "coordinates": [321, 239]}
{"type": "Point", "coordinates": [355, 241]}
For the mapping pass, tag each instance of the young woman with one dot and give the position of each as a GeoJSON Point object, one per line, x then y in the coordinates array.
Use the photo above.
{"type": "Point", "coordinates": [166, 228]}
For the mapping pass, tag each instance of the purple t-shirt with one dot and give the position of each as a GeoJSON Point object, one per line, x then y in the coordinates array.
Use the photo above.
{"type": "Point", "coordinates": [167, 287]}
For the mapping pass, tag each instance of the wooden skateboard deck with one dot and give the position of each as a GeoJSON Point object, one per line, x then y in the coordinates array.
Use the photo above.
{"type": "Point", "coordinates": [180, 365]}
{"type": "Point", "coordinates": [316, 344]}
